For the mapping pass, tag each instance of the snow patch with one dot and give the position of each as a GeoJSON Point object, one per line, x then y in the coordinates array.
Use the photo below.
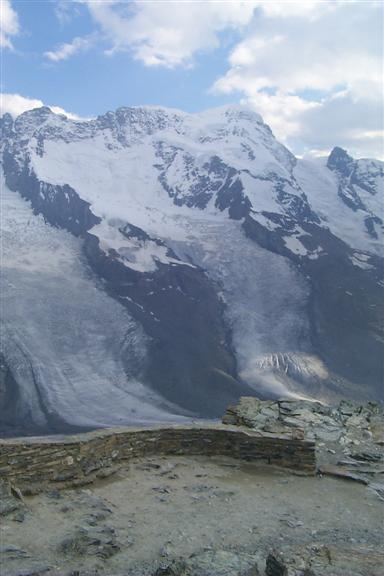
{"type": "Point", "coordinates": [141, 255]}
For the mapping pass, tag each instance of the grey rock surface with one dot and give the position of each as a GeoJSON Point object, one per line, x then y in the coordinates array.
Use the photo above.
{"type": "Point", "coordinates": [349, 436]}
{"type": "Point", "coordinates": [212, 563]}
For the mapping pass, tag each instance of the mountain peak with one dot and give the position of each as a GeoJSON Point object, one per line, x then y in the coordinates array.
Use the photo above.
{"type": "Point", "coordinates": [31, 120]}
{"type": "Point", "coordinates": [243, 112]}
{"type": "Point", "coordinates": [41, 112]}
{"type": "Point", "coordinates": [340, 160]}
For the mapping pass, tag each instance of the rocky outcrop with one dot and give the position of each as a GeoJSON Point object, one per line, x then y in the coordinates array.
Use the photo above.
{"type": "Point", "coordinates": [349, 437]}
{"type": "Point", "coordinates": [92, 541]}
{"type": "Point", "coordinates": [11, 502]}
{"type": "Point", "coordinates": [61, 206]}
{"type": "Point", "coordinates": [213, 563]}
{"type": "Point", "coordinates": [320, 560]}
{"type": "Point", "coordinates": [352, 175]}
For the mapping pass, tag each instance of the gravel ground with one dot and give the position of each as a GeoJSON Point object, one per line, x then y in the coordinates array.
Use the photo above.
{"type": "Point", "coordinates": [161, 508]}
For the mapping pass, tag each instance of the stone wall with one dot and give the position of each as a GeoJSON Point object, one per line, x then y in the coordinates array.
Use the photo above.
{"type": "Point", "coordinates": [32, 463]}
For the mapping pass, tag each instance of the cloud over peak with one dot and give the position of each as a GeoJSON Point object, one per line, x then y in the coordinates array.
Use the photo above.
{"type": "Point", "coordinates": [312, 79]}
{"type": "Point", "coordinates": [15, 104]}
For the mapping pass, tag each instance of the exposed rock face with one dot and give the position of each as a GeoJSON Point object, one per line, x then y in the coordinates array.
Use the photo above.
{"type": "Point", "coordinates": [11, 502]}
{"type": "Point", "coordinates": [61, 206]}
{"type": "Point", "coordinates": [190, 342]}
{"type": "Point", "coordinates": [353, 176]}
{"type": "Point", "coordinates": [8, 392]}
{"type": "Point", "coordinates": [349, 437]}
{"type": "Point", "coordinates": [318, 560]}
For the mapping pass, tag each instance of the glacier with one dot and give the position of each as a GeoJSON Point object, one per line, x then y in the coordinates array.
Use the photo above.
{"type": "Point", "coordinates": [63, 336]}
{"type": "Point", "coordinates": [160, 261]}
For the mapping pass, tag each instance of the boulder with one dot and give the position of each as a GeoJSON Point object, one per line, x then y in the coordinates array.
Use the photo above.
{"type": "Point", "coordinates": [212, 563]}
{"type": "Point", "coordinates": [91, 541]}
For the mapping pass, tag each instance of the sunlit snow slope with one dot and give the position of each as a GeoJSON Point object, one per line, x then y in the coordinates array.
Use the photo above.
{"type": "Point", "coordinates": [184, 260]}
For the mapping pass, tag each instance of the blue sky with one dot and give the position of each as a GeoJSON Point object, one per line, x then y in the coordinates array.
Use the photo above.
{"type": "Point", "coordinates": [312, 69]}
{"type": "Point", "coordinates": [92, 83]}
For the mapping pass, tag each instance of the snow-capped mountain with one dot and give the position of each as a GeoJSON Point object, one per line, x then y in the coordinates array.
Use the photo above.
{"type": "Point", "coordinates": [158, 264]}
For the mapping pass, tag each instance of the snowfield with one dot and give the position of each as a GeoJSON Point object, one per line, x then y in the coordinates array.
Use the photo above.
{"type": "Point", "coordinates": [63, 336]}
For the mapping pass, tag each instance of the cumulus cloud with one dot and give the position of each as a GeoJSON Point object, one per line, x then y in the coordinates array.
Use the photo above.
{"type": "Point", "coordinates": [66, 50]}
{"type": "Point", "coordinates": [15, 104]}
{"type": "Point", "coordinates": [317, 77]}
{"type": "Point", "coordinates": [311, 9]}
{"type": "Point", "coordinates": [344, 120]}
{"type": "Point", "coordinates": [168, 34]}
{"type": "Point", "coordinates": [9, 23]}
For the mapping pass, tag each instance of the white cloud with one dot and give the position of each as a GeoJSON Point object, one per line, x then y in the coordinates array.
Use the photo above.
{"type": "Point", "coordinates": [15, 104]}
{"type": "Point", "coordinates": [355, 124]}
{"type": "Point", "coordinates": [9, 23]}
{"type": "Point", "coordinates": [168, 34]}
{"type": "Point", "coordinates": [315, 77]}
{"type": "Point", "coordinates": [65, 11]}
{"type": "Point", "coordinates": [66, 50]}
{"type": "Point", "coordinates": [308, 9]}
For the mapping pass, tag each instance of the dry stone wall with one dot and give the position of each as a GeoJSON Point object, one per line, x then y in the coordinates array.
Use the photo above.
{"type": "Point", "coordinates": [32, 463]}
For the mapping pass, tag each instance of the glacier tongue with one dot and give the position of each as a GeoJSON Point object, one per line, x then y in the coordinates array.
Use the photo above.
{"type": "Point", "coordinates": [64, 338]}
{"type": "Point", "coordinates": [266, 301]}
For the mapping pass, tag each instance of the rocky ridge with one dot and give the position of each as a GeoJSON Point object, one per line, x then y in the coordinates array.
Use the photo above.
{"type": "Point", "coordinates": [349, 437]}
